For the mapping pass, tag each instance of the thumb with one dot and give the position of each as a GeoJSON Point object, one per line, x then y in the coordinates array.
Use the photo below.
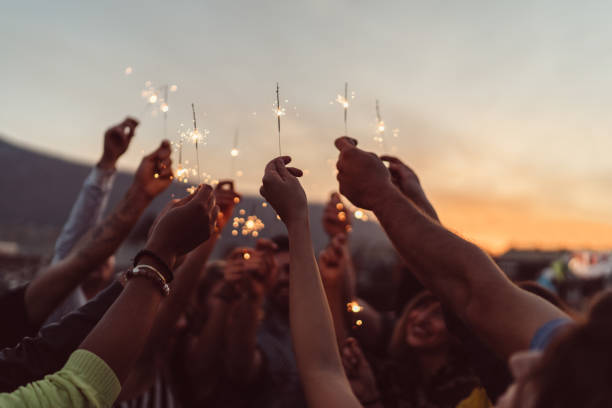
{"type": "Point", "coordinates": [345, 142]}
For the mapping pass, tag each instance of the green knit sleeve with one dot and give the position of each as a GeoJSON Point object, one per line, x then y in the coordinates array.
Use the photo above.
{"type": "Point", "coordinates": [85, 381]}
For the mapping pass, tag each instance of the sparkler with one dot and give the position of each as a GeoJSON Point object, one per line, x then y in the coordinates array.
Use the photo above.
{"type": "Point", "coordinates": [344, 101]}
{"type": "Point", "coordinates": [196, 136]}
{"type": "Point", "coordinates": [234, 153]}
{"type": "Point", "coordinates": [279, 112]}
{"type": "Point", "coordinates": [380, 125]}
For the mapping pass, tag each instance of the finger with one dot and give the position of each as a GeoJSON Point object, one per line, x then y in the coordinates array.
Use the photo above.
{"type": "Point", "coordinates": [262, 192]}
{"type": "Point", "coordinates": [214, 215]}
{"type": "Point", "coordinates": [339, 240]}
{"type": "Point", "coordinates": [295, 171]}
{"type": "Point", "coordinates": [205, 195]}
{"type": "Point", "coordinates": [390, 159]}
{"type": "Point", "coordinates": [227, 185]}
{"type": "Point", "coordinates": [280, 163]}
{"type": "Point", "coordinates": [165, 173]}
{"type": "Point", "coordinates": [271, 168]}
{"type": "Point", "coordinates": [345, 143]}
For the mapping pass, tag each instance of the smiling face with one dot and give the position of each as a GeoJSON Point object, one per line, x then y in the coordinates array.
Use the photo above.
{"type": "Point", "coordinates": [425, 326]}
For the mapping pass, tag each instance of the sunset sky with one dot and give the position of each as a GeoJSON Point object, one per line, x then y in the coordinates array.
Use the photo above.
{"type": "Point", "coordinates": [503, 108]}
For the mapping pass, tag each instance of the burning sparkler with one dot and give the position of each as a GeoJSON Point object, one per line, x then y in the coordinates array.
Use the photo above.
{"type": "Point", "coordinates": [344, 101]}
{"type": "Point", "coordinates": [279, 112]}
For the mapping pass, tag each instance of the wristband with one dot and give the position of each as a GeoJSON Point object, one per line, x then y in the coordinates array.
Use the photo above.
{"type": "Point", "coordinates": [151, 275]}
{"type": "Point", "coordinates": [165, 270]}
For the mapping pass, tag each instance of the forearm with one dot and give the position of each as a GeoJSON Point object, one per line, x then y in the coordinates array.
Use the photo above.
{"type": "Point", "coordinates": [463, 276]}
{"type": "Point", "coordinates": [49, 289]}
{"type": "Point", "coordinates": [205, 353]}
{"type": "Point", "coordinates": [337, 305]}
{"type": "Point", "coordinates": [119, 337]}
{"type": "Point", "coordinates": [242, 359]}
{"type": "Point", "coordinates": [86, 211]}
{"type": "Point", "coordinates": [312, 328]}
{"type": "Point", "coordinates": [182, 289]}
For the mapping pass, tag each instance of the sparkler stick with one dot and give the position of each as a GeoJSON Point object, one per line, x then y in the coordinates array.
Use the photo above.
{"type": "Point", "coordinates": [278, 115]}
{"type": "Point", "coordinates": [196, 137]}
{"type": "Point", "coordinates": [380, 127]}
{"type": "Point", "coordinates": [234, 153]}
{"type": "Point", "coordinates": [164, 109]}
{"type": "Point", "coordinates": [346, 105]}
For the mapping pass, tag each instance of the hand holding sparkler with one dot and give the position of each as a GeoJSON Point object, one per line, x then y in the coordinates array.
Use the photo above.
{"type": "Point", "coordinates": [283, 191]}
{"type": "Point", "coordinates": [407, 181]}
{"type": "Point", "coordinates": [154, 174]}
{"type": "Point", "coordinates": [227, 198]}
{"type": "Point", "coordinates": [362, 176]}
{"type": "Point", "coordinates": [185, 225]}
{"type": "Point", "coordinates": [334, 261]}
{"type": "Point", "coordinates": [248, 271]}
{"type": "Point", "coordinates": [336, 217]}
{"type": "Point", "coordinates": [359, 373]}
{"type": "Point", "coordinates": [116, 141]}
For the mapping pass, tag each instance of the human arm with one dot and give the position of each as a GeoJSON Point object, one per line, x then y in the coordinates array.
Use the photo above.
{"type": "Point", "coordinates": [333, 265]}
{"type": "Point", "coordinates": [360, 374]}
{"type": "Point", "coordinates": [48, 289]}
{"type": "Point", "coordinates": [92, 199]}
{"type": "Point", "coordinates": [46, 353]}
{"type": "Point", "coordinates": [314, 340]}
{"type": "Point", "coordinates": [94, 372]}
{"type": "Point", "coordinates": [458, 272]}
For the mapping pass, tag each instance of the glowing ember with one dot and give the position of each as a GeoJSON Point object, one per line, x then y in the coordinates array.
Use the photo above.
{"type": "Point", "coordinates": [354, 307]}
{"type": "Point", "coordinates": [234, 152]}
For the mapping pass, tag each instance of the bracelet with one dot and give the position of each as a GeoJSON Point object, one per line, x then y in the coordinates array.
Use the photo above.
{"type": "Point", "coordinates": [165, 270]}
{"type": "Point", "coordinates": [150, 275]}
{"type": "Point", "coordinates": [158, 273]}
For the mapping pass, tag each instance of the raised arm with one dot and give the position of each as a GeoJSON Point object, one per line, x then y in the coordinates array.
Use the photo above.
{"type": "Point", "coordinates": [457, 271]}
{"type": "Point", "coordinates": [49, 289]}
{"type": "Point", "coordinates": [91, 203]}
{"type": "Point", "coordinates": [314, 340]}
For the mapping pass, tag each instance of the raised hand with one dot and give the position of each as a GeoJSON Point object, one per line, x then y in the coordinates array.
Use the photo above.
{"type": "Point", "coordinates": [226, 200]}
{"type": "Point", "coordinates": [336, 217]}
{"type": "Point", "coordinates": [334, 261]}
{"type": "Point", "coordinates": [116, 141]}
{"type": "Point", "coordinates": [188, 223]}
{"type": "Point", "coordinates": [154, 174]}
{"type": "Point", "coordinates": [283, 191]}
{"type": "Point", "coordinates": [362, 175]}
{"type": "Point", "coordinates": [248, 272]}
{"type": "Point", "coordinates": [359, 372]}
{"type": "Point", "coordinates": [407, 181]}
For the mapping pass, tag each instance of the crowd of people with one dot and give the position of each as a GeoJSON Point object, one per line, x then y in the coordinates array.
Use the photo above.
{"type": "Point", "coordinates": [275, 325]}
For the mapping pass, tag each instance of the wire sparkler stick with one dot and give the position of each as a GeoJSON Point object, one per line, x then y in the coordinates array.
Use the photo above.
{"type": "Point", "coordinates": [279, 113]}
{"type": "Point", "coordinates": [164, 108]}
{"type": "Point", "coordinates": [346, 105]}
{"type": "Point", "coordinates": [234, 153]}
{"type": "Point", "coordinates": [195, 138]}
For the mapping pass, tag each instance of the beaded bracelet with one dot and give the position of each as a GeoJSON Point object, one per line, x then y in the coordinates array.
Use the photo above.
{"type": "Point", "coordinates": [165, 270]}
{"type": "Point", "coordinates": [145, 271]}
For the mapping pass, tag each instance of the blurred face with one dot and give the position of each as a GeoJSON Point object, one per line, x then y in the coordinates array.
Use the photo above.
{"type": "Point", "coordinates": [425, 328]}
{"type": "Point", "coordinates": [280, 288]}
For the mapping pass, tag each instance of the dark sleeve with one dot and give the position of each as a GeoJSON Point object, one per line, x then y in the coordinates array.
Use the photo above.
{"type": "Point", "coordinates": [35, 357]}
{"type": "Point", "coordinates": [492, 370]}
{"type": "Point", "coordinates": [14, 318]}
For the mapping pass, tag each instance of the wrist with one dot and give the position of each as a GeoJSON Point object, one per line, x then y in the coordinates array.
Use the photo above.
{"type": "Point", "coordinates": [384, 196]}
{"type": "Point", "coordinates": [139, 196]}
{"type": "Point", "coordinates": [106, 163]}
{"type": "Point", "coordinates": [298, 221]}
{"type": "Point", "coordinates": [168, 257]}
